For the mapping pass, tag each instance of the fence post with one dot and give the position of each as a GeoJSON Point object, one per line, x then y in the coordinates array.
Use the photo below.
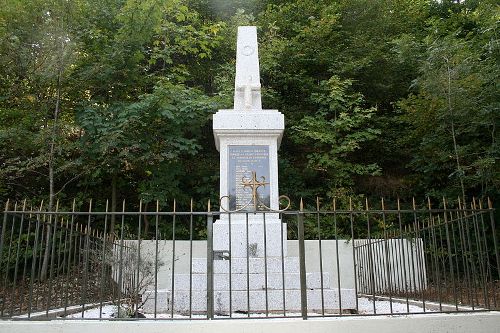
{"type": "Point", "coordinates": [86, 258]}
{"type": "Point", "coordinates": [450, 258]}
{"type": "Point", "coordinates": [172, 288]}
{"type": "Point", "coordinates": [210, 262]}
{"type": "Point", "coordinates": [4, 225]}
{"type": "Point", "coordinates": [120, 262]}
{"type": "Point", "coordinates": [302, 261]}
{"type": "Point", "coordinates": [2, 235]}
{"type": "Point", "coordinates": [495, 246]}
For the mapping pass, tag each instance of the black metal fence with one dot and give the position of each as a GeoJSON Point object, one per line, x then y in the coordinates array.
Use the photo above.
{"type": "Point", "coordinates": [326, 261]}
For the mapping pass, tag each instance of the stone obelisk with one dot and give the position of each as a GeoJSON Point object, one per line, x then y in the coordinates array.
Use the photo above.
{"type": "Point", "coordinates": [248, 138]}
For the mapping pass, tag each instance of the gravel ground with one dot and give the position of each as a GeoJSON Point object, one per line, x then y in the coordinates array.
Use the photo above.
{"type": "Point", "coordinates": [365, 307]}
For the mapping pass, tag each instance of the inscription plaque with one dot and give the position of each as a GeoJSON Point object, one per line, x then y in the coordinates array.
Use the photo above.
{"type": "Point", "coordinates": [242, 161]}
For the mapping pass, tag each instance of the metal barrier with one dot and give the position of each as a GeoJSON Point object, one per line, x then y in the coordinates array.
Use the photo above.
{"type": "Point", "coordinates": [323, 261]}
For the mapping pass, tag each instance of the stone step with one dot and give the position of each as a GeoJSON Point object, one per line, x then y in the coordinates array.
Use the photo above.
{"type": "Point", "coordinates": [256, 281]}
{"type": "Point", "coordinates": [255, 265]}
{"type": "Point", "coordinates": [257, 301]}
{"type": "Point", "coordinates": [275, 238]}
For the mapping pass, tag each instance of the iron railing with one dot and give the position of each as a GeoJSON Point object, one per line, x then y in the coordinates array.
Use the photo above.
{"type": "Point", "coordinates": [171, 264]}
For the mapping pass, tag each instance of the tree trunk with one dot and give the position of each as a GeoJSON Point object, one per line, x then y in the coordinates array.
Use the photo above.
{"type": "Point", "coordinates": [46, 256]}
{"type": "Point", "coordinates": [453, 133]}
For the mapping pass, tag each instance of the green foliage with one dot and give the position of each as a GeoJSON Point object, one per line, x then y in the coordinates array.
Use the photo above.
{"type": "Point", "coordinates": [335, 132]}
{"type": "Point", "coordinates": [372, 92]}
{"type": "Point", "coordinates": [453, 113]}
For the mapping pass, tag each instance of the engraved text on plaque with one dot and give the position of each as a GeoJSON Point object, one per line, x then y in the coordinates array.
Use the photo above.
{"type": "Point", "coordinates": [242, 161]}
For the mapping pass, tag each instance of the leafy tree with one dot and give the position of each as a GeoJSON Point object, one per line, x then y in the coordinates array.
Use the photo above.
{"type": "Point", "coordinates": [453, 114]}
{"type": "Point", "coordinates": [138, 101]}
{"type": "Point", "coordinates": [39, 57]}
{"type": "Point", "coordinates": [335, 132]}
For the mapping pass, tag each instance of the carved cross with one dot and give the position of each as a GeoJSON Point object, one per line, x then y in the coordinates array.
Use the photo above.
{"type": "Point", "coordinates": [254, 184]}
{"type": "Point", "coordinates": [247, 79]}
{"type": "Point", "coordinates": [248, 90]}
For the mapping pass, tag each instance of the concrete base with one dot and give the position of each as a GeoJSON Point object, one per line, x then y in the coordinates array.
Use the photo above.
{"type": "Point", "coordinates": [482, 322]}
{"type": "Point", "coordinates": [246, 276]}
{"type": "Point", "coordinates": [242, 283]}
{"type": "Point", "coordinates": [245, 254]}
{"type": "Point", "coordinates": [275, 244]}
{"type": "Point", "coordinates": [259, 301]}
{"type": "Point", "coordinates": [255, 265]}
{"type": "Point", "coordinates": [253, 281]}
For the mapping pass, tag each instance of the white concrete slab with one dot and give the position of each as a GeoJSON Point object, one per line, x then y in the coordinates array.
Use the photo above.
{"type": "Point", "coordinates": [275, 238]}
{"type": "Point", "coordinates": [482, 322]}
{"type": "Point", "coordinates": [256, 265]}
{"type": "Point", "coordinates": [316, 300]}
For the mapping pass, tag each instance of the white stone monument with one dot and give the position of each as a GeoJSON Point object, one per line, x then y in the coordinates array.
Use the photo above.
{"type": "Point", "coordinates": [253, 245]}
{"type": "Point", "coordinates": [247, 136]}
{"type": "Point", "coordinates": [248, 139]}
{"type": "Point", "coordinates": [251, 268]}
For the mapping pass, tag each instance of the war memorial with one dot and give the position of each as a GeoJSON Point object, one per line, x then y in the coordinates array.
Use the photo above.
{"type": "Point", "coordinates": [252, 259]}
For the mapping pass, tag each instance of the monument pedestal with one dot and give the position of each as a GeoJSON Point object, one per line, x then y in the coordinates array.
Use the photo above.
{"type": "Point", "coordinates": [248, 141]}
{"type": "Point", "coordinates": [257, 239]}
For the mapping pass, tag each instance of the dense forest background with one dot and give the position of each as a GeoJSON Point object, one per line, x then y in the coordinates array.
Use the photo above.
{"type": "Point", "coordinates": [114, 98]}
